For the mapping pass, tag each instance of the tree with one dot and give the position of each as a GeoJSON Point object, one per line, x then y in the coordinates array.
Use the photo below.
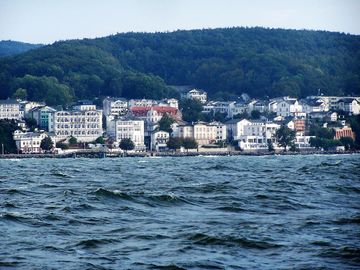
{"type": "Point", "coordinates": [20, 93]}
{"type": "Point", "coordinates": [46, 144]}
{"type": "Point", "coordinates": [347, 142]}
{"type": "Point", "coordinates": [174, 143]}
{"type": "Point", "coordinates": [31, 123]}
{"type": "Point", "coordinates": [255, 114]}
{"type": "Point", "coordinates": [191, 110]}
{"type": "Point", "coordinates": [324, 143]}
{"type": "Point", "coordinates": [165, 123]}
{"type": "Point", "coordinates": [220, 117]}
{"type": "Point", "coordinates": [72, 140]}
{"type": "Point", "coordinates": [270, 146]}
{"type": "Point", "coordinates": [285, 136]}
{"type": "Point", "coordinates": [127, 144]}
{"type": "Point", "coordinates": [100, 140]}
{"type": "Point", "coordinates": [7, 128]}
{"type": "Point", "coordinates": [62, 145]}
{"type": "Point", "coordinates": [189, 143]}
{"type": "Point", "coordinates": [321, 132]}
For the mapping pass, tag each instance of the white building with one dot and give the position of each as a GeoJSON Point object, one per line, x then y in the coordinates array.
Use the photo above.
{"type": "Point", "coordinates": [333, 101]}
{"type": "Point", "coordinates": [10, 109]}
{"type": "Point", "coordinates": [197, 95]}
{"type": "Point", "coordinates": [235, 128]}
{"type": "Point", "coordinates": [85, 107]}
{"type": "Point", "coordinates": [27, 106]}
{"type": "Point", "coordinates": [141, 103]}
{"type": "Point", "coordinates": [204, 133]}
{"type": "Point", "coordinates": [132, 129]}
{"type": "Point", "coordinates": [84, 125]}
{"type": "Point", "coordinates": [314, 105]}
{"type": "Point", "coordinates": [238, 108]}
{"type": "Point", "coordinates": [28, 142]}
{"type": "Point", "coordinates": [221, 134]}
{"type": "Point", "coordinates": [171, 102]}
{"type": "Point", "coordinates": [115, 106]}
{"type": "Point", "coordinates": [159, 140]}
{"type": "Point", "coordinates": [289, 107]}
{"type": "Point", "coordinates": [303, 142]}
{"type": "Point", "coordinates": [257, 135]}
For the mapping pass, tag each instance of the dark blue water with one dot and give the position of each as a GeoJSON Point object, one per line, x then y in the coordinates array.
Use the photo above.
{"type": "Point", "coordinates": [280, 212]}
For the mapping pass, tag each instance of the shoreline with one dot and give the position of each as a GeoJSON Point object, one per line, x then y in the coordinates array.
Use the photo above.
{"type": "Point", "coordinates": [171, 154]}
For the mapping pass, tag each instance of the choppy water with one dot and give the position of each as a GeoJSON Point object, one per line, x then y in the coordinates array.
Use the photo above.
{"type": "Point", "coordinates": [280, 212]}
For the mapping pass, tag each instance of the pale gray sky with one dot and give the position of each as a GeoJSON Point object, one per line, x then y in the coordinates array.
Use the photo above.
{"type": "Point", "coordinates": [45, 21]}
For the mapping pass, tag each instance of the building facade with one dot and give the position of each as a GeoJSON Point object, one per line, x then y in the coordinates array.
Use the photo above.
{"type": "Point", "coordinates": [197, 95]}
{"type": "Point", "coordinates": [28, 142]}
{"type": "Point", "coordinates": [115, 106]}
{"type": "Point", "coordinates": [85, 126]}
{"type": "Point", "coordinates": [128, 129]}
{"type": "Point", "coordinates": [10, 109]}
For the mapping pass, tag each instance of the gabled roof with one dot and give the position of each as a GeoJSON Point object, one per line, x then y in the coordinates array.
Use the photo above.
{"type": "Point", "coordinates": [347, 100]}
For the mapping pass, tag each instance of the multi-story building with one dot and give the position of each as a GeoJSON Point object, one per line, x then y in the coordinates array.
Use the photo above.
{"type": "Point", "coordinates": [257, 135]}
{"type": "Point", "coordinates": [344, 131]}
{"type": "Point", "coordinates": [159, 140]}
{"type": "Point", "coordinates": [311, 105]}
{"type": "Point", "coordinates": [141, 103]}
{"type": "Point", "coordinates": [9, 109]}
{"type": "Point", "coordinates": [289, 107]}
{"type": "Point", "coordinates": [26, 106]}
{"type": "Point", "coordinates": [197, 95]}
{"type": "Point", "coordinates": [115, 106]}
{"type": "Point", "coordinates": [28, 142]}
{"type": "Point", "coordinates": [202, 132]}
{"type": "Point", "coordinates": [126, 128]}
{"type": "Point", "coordinates": [85, 125]}
{"type": "Point", "coordinates": [172, 102]}
{"type": "Point", "coordinates": [155, 113]}
{"type": "Point", "coordinates": [221, 134]}
{"type": "Point", "coordinates": [333, 101]}
{"type": "Point", "coordinates": [235, 128]}
{"type": "Point", "coordinates": [42, 115]}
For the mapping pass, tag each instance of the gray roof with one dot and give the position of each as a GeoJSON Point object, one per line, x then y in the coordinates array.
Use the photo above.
{"type": "Point", "coordinates": [9, 101]}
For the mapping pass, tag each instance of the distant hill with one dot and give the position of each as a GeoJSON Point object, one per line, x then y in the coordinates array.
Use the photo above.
{"type": "Point", "coordinates": [9, 47]}
{"type": "Point", "coordinates": [225, 62]}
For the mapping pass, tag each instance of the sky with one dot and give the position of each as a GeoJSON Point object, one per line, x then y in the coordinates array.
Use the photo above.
{"type": "Point", "coordinates": [47, 21]}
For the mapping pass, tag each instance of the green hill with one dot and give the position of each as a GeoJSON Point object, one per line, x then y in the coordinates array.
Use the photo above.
{"type": "Point", "coordinates": [9, 47]}
{"type": "Point", "coordinates": [225, 62]}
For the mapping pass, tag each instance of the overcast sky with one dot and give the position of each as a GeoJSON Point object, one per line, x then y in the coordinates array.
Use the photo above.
{"type": "Point", "coordinates": [45, 21]}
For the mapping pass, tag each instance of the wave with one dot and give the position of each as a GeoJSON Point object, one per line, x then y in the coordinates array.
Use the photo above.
{"type": "Point", "coordinates": [345, 252]}
{"type": "Point", "coordinates": [204, 239]}
{"type": "Point", "coordinates": [20, 219]}
{"type": "Point", "coordinates": [142, 198]}
{"type": "Point", "coordinates": [139, 265]}
{"type": "Point", "coordinates": [233, 209]}
{"type": "Point", "coordinates": [60, 174]}
{"type": "Point", "coordinates": [219, 167]}
{"type": "Point", "coordinates": [328, 164]}
{"type": "Point", "coordinates": [117, 194]}
{"type": "Point", "coordinates": [94, 243]}
{"type": "Point", "coordinates": [348, 220]}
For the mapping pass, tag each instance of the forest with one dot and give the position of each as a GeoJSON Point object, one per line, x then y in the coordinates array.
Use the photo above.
{"type": "Point", "coordinates": [9, 47]}
{"type": "Point", "coordinates": [225, 62]}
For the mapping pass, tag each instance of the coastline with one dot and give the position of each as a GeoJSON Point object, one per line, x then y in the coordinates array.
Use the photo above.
{"type": "Point", "coordinates": [97, 154]}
